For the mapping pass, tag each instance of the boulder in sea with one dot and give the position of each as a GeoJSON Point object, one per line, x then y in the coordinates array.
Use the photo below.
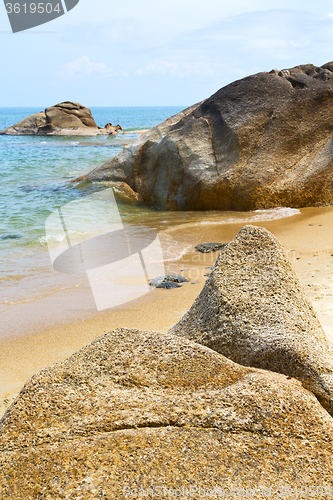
{"type": "Point", "coordinates": [253, 310]}
{"type": "Point", "coordinates": [113, 129]}
{"type": "Point", "coordinates": [66, 118]}
{"type": "Point", "coordinates": [137, 411]}
{"type": "Point", "coordinates": [261, 142]}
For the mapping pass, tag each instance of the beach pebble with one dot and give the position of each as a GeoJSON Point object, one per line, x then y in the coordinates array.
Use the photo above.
{"type": "Point", "coordinates": [168, 284]}
{"type": "Point", "coordinates": [210, 247]}
{"type": "Point", "coordinates": [167, 281]}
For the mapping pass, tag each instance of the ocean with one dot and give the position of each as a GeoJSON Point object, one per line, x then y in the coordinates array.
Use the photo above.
{"type": "Point", "coordinates": [34, 176]}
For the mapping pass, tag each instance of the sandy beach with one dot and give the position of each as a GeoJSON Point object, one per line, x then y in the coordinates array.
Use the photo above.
{"type": "Point", "coordinates": [308, 242]}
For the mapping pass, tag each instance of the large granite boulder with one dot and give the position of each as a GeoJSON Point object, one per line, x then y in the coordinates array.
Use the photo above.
{"type": "Point", "coordinates": [253, 310]}
{"type": "Point", "coordinates": [66, 118]}
{"type": "Point", "coordinates": [136, 410]}
{"type": "Point", "coordinates": [260, 142]}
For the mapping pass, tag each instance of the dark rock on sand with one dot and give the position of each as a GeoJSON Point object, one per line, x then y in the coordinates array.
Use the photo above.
{"type": "Point", "coordinates": [210, 247]}
{"type": "Point", "coordinates": [167, 281]}
{"type": "Point", "coordinates": [66, 118]}
{"type": "Point", "coordinates": [146, 409]}
{"type": "Point", "coordinates": [253, 310]}
{"type": "Point", "coordinates": [260, 142]}
{"type": "Point", "coordinates": [168, 285]}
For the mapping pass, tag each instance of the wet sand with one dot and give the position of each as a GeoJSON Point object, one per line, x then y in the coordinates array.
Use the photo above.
{"type": "Point", "coordinates": [308, 242]}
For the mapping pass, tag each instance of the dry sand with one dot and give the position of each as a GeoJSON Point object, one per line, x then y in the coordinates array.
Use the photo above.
{"type": "Point", "coordinates": [308, 241]}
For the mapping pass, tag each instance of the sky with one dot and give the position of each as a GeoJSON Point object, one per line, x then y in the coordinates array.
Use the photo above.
{"type": "Point", "coordinates": [156, 52]}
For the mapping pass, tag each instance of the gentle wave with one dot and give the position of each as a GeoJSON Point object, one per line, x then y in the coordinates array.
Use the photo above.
{"type": "Point", "coordinates": [260, 215]}
{"type": "Point", "coordinates": [37, 297]}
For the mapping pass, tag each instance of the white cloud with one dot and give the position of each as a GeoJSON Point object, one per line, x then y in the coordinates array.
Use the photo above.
{"type": "Point", "coordinates": [203, 69]}
{"type": "Point", "coordinates": [163, 67]}
{"type": "Point", "coordinates": [159, 66]}
{"type": "Point", "coordinates": [150, 60]}
{"type": "Point", "coordinates": [83, 67]}
{"type": "Point", "coordinates": [272, 44]}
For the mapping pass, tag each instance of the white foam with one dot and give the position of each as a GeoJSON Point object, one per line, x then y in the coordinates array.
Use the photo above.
{"type": "Point", "coordinates": [259, 215]}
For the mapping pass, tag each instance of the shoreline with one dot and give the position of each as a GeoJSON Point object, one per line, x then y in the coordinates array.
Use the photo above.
{"type": "Point", "coordinates": [308, 241]}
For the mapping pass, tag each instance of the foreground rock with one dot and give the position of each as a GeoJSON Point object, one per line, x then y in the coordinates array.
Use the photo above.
{"type": "Point", "coordinates": [138, 409]}
{"type": "Point", "coordinates": [253, 310]}
{"type": "Point", "coordinates": [66, 118]}
{"type": "Point", "coordinates": [264, 141]}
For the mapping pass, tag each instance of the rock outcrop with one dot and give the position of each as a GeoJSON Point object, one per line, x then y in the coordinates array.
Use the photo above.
{"type": "Point", "coordinates": [253, 310]}
{"type": "Point", "coordinates": [261, 142]}
{"type": "Point", "coordinates": [66, 118]}
{"type": "Point", "coordinates": [113, 129]}
{"type": "Point", "coordinates": [137, 410]}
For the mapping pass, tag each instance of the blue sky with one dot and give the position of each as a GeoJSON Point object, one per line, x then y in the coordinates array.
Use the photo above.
{"type": "Point", "coordinates": [150, 52]}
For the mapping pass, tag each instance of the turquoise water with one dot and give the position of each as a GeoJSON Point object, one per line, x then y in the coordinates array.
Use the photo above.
{"type": "Point", "coordinates": [35, 171]}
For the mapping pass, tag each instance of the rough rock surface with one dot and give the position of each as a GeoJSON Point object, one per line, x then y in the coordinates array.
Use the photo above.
{"type": "Point", "coordinates": [153, 410]}
{"type": "Point", "coordinates": [260, 142]}
{"type": "Point", "coordinates": [66, 118]}
{"type": "Point", "coordinates": [253, 310]}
